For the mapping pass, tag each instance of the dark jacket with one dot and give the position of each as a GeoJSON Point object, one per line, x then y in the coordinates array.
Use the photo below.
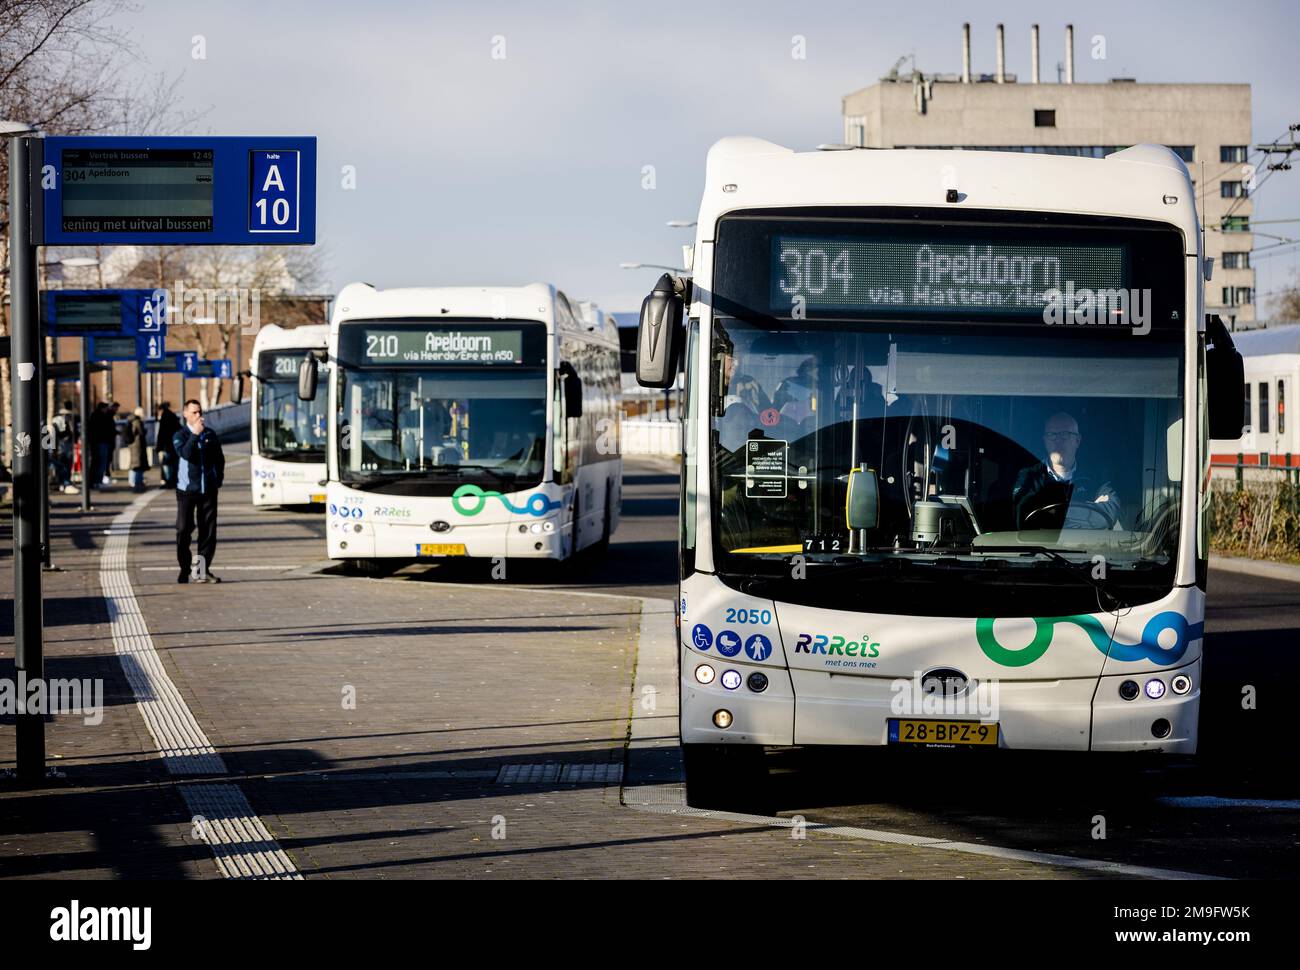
{"type": "Point", "coordinates": [1037, 488]}
{"type": "Point", "coordinates": [103, 428]}
{"type": "Point", "coordinates": [168, 424]}
{"type": "Point", "coordinates": [201, 465]}
{"type": "Point", "coordinates": [133, 435]}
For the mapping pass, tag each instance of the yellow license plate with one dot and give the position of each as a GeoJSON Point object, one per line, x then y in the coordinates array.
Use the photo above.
{"type": "Point", "coordinates": [908, 731]}
{"type": "Point", "coordinates": [318, 498]}
{"type": "Point", "coordinates": [440, 549]}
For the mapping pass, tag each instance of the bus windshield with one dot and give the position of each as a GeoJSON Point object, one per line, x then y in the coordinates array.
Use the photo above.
{"type": "Point", "coordinates": [978, 439]}
{"type": "Point", "coordinates": [289, 429]}
{"type": "Point", "coordinates": [997, 463]}
{"type": "Point", "coordinates": [443, 425]}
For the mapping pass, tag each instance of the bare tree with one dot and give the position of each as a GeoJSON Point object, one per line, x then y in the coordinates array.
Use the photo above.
{"type": "Point", "coordinates": [67, 68]}
{"type": "Point", "coordinates": [1287, 303]}
{"type": "Point", "coordinates": [221, 294]}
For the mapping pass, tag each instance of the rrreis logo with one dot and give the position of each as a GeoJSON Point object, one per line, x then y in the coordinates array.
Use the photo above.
{"type": "Point", "coordinates": [91, 924]}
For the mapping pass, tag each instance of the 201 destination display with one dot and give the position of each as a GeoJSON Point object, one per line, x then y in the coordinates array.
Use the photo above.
{"type": "Point", "coordinates": [928, 275]}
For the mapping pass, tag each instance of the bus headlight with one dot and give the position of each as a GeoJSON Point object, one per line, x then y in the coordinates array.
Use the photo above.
{"type": "Point", "coordinates": [1129, 690]}
{"type": "Point", "coordinates": [722, 719]}
{"type": "Point", "coordinates": [1155, 688]}
{"type": "Point", "coordinates": [535, 528]}
{"type": "Point", "coordinates": [731, 679]}
{"type": "Point", "coordinates": [548, 526]}
{"type": "Point", "coordinates": [1181, 684]}
{"type": "Point", "coordinates": [704, 674]}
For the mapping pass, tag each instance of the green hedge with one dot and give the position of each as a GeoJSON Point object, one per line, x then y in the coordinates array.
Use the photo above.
{"type": "Point", "coordinates": [1260, 520]}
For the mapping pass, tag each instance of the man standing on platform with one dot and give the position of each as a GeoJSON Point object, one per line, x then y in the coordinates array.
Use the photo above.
{"type": "Point", "coordinates": [200, 469]}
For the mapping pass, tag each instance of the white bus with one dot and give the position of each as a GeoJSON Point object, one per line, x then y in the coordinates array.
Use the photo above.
{"type": "Point", "coordinates": [470, 421]}
{"type": "Point", "coordinates": [288, 435]}
{"type": "Point", "coordinates": [943, 483]}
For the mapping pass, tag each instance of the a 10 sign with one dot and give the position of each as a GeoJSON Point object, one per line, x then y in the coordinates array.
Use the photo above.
{"type": "Point", "coordinates": [274, 194]}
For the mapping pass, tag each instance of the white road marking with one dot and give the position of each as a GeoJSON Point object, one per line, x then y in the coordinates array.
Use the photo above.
{"type": "Point", "coordinates": [656, 668]}
{"type": "Point", "coordinates": [224, 568]}
{"type": "Point", "coordinates": [241, 844]}
{"type": "Point", "coordinates": [1212, 801]}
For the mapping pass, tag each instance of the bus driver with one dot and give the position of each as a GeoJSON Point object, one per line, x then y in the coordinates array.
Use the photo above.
{"type": "Point", "coordinates": [1056, 493]}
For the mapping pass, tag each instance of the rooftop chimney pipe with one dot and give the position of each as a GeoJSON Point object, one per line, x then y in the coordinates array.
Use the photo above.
{"type": "Point", "coordinates": [1069, 53]}
{"type": "Point", "coordinates": [1002, 57]}
{"type": "Point", "coordinates": [965, 53]}
{"type": "Point", "coordinates": [1033, 54]}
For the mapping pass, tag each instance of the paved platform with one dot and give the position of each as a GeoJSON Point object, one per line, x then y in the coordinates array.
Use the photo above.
{"type": "Point", "coordinates": [373, 728]}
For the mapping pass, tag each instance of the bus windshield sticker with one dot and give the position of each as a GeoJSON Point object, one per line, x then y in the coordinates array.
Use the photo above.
{"type": "Point", "coordinates": [765, 469]}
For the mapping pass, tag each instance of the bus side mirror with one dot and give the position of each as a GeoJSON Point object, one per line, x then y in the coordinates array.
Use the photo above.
{"type": "Point", "coordinates": [572, 390]}
{"type": "Point", "coordinates": [862, 507]}
{"type": "Point", "coordinates": [658, 338]}
{"type": "Point", "coordinates": [237, 390]}
{"type": "Point", "coordinates": [1225, 381]}
{"type": "Point", "coordinates": [307, 377]}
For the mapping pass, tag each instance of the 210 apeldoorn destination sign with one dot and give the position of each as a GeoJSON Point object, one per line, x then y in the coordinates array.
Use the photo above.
{"type": "Point", "coordinates": [176, 191]}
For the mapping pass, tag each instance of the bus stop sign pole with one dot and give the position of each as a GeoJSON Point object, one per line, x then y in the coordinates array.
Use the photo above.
{"type": "Point", "coordinates": [27, 441]}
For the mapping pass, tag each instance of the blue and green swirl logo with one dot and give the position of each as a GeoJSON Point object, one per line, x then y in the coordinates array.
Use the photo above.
{"type": "Point", "coordinates": [1044, 627]}
{"type": "Point", "coordinates": [470, 499]}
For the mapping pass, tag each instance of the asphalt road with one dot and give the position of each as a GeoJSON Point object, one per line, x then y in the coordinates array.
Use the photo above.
{"type": "Point", "coordinates": [1231, 811]}
{"type": "Point", "coordinates": [455, 690]}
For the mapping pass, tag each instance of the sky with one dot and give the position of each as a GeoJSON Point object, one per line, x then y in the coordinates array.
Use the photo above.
{"type": "Point", "coordinates": [476, 168]}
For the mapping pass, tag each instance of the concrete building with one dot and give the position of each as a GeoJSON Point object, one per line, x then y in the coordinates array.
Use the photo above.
{"type": "Point", "coordinates": [1207, 125]}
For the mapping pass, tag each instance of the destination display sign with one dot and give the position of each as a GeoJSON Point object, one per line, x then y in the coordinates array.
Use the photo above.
{"type": "Point", "coordinates": [210, 368]}
{"type": "Point", "coordinates": [280, 365]}
{"type": "Point", "coordinates": [970, 276]}
{"type": "Point", "coordinates": [137, 190]}
{"type": "Point", "coordinates": [103, 189]}
{"type": "Point", "coordinates": [79, 313]}
{"type": "Point", "coordinates": [442, 344]}
{"type": "Point", "coordinates": [73, 314]}
{"type": "Point", "coordinates": [113, 348]}
{"type": "Point", "coordinates": [172, 362]}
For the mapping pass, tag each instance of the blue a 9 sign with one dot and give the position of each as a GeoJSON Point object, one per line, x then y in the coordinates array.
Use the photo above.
{"type": "Point", "coordinates": [176, 191]}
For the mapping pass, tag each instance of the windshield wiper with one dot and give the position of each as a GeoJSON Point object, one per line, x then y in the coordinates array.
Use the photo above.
{"type": "Point", "coordinates": [1071, 567]}
{"type": "Point", "coordinates": [428, 471]}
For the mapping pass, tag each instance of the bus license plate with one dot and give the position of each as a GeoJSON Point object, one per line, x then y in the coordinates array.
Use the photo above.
{"type": "Point", "coordinates": [440, 549]}
{"type": "Point", "coordinates": [318, 498]}
{"type": "Point", "coordinates": [906, 731]}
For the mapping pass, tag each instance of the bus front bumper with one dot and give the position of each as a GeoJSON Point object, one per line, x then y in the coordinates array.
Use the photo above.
{"type": "Point", "coordinates": [800, 707]}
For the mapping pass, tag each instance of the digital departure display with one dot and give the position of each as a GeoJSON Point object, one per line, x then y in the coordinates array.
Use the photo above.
{"type": "Point", "coordinates": [83, 314]}
{"type": "Point", "coordinates": [145, 190]}
{"type": "Point", "coordinates": [114, 348]}
{"type": "Point", "coordinates": [472, 343]}
{"type": "Point", "coordinates": [962, 275]}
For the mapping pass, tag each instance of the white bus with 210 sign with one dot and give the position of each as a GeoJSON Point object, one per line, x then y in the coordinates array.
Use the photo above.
{"type": "Point", "coordinates": [469, 422]}
{"type": "Point", "coordinates": [944, 479]}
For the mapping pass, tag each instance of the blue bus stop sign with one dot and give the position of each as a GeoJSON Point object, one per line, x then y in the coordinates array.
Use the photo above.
{"type": "Point", "coordinates": [98, 189]}
{"type": "Point", "coordinates": [140, 348]}
{"type": "Point", "coordinates": [153, 346]}
{"type": "Point", "coordinates": [153, 313]}
{"type": "Point", "coordinates": [212, 368]}
{"type": "Point", "coordinates": [171, 362]}
{"type": "Point", "coordinates": [81, 313]}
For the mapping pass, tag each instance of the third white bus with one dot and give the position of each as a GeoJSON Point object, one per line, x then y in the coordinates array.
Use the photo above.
{"type": "Point", "coordinates": [288, 435]}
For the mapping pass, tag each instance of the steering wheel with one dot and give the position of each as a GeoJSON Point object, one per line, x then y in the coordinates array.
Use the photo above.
{"type": "Point", "coordinates": [1089, 506]}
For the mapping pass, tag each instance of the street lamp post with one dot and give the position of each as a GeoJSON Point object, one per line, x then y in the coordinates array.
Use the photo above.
{"type": "Point", "coordinates": [25, 353]}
